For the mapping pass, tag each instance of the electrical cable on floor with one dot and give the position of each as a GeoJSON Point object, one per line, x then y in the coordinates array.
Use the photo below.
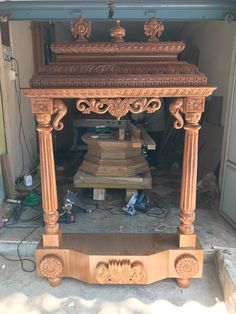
{"type": "Point", "coordinates": [21, 127]}
{"type": "Point", "coordinates": [20, 259]}
{"type": "Point", "coordinates": [16, 215]}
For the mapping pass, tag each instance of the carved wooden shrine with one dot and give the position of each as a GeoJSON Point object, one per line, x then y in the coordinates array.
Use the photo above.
{"type": "Point", "coordinates": [119, 77]}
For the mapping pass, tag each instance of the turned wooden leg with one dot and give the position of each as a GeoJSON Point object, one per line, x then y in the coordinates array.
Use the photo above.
{"type": "Point", "coordinates": [54, 282]}
{"type": "Point", "coordinates": [183, 283]}
{"type": "Point", "coordinates": [192, 107]}
{"type": "Point", "coordinates": [44, 108]}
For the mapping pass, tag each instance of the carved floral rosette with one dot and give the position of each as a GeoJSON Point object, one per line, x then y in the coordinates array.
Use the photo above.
{"type": "Point", "coordinates": [51, 266]}
{"type": "Point", "coordinates": [120, 272]}
{"type": "Point", "coordinates": [118, 107]}
{"type": "Point", "coordinates": [186, 266]}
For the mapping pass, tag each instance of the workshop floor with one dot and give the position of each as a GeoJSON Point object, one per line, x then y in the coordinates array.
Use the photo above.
{"type": "Point", "coordinates": [26, 293]}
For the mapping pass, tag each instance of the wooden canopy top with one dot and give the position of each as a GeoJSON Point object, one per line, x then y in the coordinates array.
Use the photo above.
{"type": "Point", "coordinates": [118, 64]}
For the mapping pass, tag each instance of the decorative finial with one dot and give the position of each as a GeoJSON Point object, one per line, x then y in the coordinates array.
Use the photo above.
{"type": "Point", "coordinates": [117, 32]}
{"type": "Point", "coordinates": [81, 30]}
{"type": "Point", "coordinates": [153, 29]}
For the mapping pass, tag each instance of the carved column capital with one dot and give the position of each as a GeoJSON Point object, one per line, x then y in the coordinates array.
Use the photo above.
{"type": "Point", "coordinates": [190, 107]}
{"type": "Point", "coordinates": [193, 109]}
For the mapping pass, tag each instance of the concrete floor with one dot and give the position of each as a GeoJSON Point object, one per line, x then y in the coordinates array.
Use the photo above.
{"type": "Point", "coordinates": [26, 293]}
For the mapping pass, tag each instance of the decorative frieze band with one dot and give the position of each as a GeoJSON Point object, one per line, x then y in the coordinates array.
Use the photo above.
{"type": "Point", "coordinates": [118, 92]}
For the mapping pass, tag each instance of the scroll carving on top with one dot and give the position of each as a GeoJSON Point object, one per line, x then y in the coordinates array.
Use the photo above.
{"type": "Point", "coordinates": [118, 107]}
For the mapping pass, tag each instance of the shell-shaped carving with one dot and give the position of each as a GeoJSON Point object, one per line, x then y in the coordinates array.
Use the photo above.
{"type": "Point", "coordinates": [120, 272]}
{"type": "Point", "coordinates": [186, 266]}
{"type": "Point", "coordinates": [51, 266]}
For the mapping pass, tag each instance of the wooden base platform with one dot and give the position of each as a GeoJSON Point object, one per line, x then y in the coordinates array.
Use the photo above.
{"type": "Point", "coordinates": [119, 259]}
{"type": "Point", "coordinates": [85, 180]}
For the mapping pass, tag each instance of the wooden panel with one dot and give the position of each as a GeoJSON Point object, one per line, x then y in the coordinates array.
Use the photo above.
{"type": "Point", "coordinates": [156, 254]}
{"type": "Point", "coordinates": [85, 180]}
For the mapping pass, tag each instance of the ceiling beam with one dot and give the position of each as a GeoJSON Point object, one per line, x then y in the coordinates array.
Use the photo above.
{"type": "Point", "coordinates": [123, 9]}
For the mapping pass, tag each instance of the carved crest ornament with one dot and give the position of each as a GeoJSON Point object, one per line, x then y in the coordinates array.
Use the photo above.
{"type": "Point", "coordinates": [120, 272]}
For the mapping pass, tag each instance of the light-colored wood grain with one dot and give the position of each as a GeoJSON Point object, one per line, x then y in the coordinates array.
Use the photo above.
{"type": "Point", "coordinates": [147, 140]}
{"type": "Point", "coordinates": [86, 180]}
{"type": "Point", "coordinates": [99, 194]}
{"type": "Point", "coordinates": [81, 254]}
{"type": "Point", "coordinates": [8, 183]}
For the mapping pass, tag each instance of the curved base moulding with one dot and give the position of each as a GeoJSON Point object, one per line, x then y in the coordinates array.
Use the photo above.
{"type": "Point", "coordinates": [120, 259]}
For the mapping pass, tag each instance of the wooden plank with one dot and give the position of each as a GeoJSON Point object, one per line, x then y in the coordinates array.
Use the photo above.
{"type": "Point", "coordinates": [114, 170]}
{"type": "Point", "coordinates": [121, 134]}
{"type": "Point", "coordinates": [85, 180]}
{"type": "Point", "coordinates": [99, 194]}
{"type": "Point", "coordinates": [7, 177]}
{"type": "Point", "coordinates": [147, 140]}
{"type": "Point", "coordinates": [92, 123]}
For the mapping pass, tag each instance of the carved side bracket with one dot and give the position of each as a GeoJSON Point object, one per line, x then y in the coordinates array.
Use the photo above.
{"type": "Point", "coordinates": [175, 109]}
{"type": "Point", "coordinates": [118, 107]}
{"type": "Point", "coordinates": [60, 108]}
{"type": "Point", "coordinates": [120, 272]}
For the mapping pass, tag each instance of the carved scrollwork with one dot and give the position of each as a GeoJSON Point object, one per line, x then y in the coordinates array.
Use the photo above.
{"type": "Point", "coordinates": [175, 109]}
{"type": "Point", "coordinates": [186, 266]}
{"type": "Point", "coordinates": [51, 266]}
{"type": "Point", "coordinates": [120, 272]}
{"type": "Point", "coordinates": [153, 29]}
{"type": "Point", "coordinates": [60, 108]}
{"type": "Point", "coordinates": [118, 107]}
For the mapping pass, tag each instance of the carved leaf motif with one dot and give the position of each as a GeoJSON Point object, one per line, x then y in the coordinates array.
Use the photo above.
{"type": "Point", "coordinates": [120, 272]}
{"type": "Point", "coordinates": [118, 107]}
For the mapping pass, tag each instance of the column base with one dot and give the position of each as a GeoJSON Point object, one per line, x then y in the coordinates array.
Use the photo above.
{"type": "Point", "coordinates": [52, 240]}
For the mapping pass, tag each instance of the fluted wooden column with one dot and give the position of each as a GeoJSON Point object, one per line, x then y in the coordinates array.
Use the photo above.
{"type": "Point", "coordinates": [192, 108]}
{"type": "Point", "coordinates": [44, 108]}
